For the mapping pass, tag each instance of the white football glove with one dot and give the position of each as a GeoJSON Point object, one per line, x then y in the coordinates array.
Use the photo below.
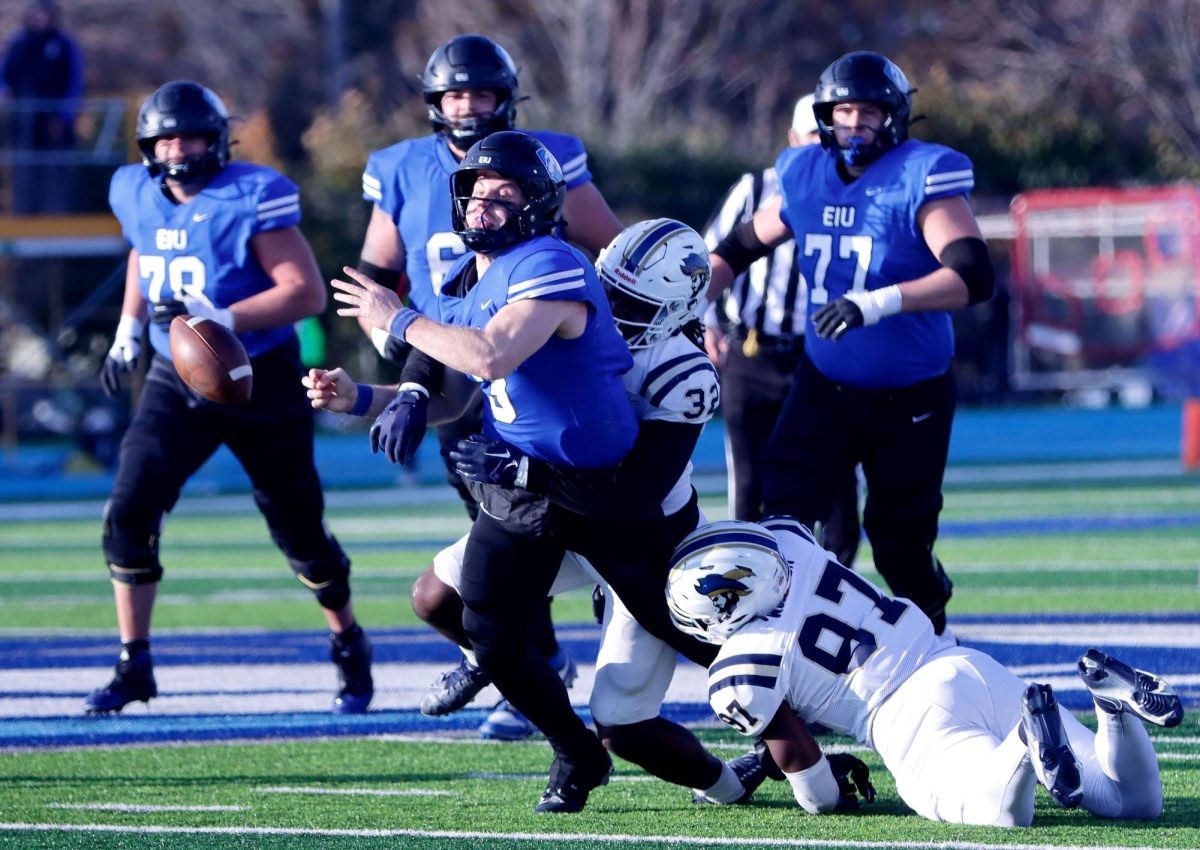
{"type": "Point", "coordinates": [123, 356]}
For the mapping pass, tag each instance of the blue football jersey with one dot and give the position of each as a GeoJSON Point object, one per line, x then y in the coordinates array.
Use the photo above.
{"type": "Point", "coordinates": [202, 248]}
{"type": "Point", "coordinates": [864, 236]}
{"type": "Point", "coordinates": [410, 181]}
{"type": "Point", "coordinates": [567, 402]}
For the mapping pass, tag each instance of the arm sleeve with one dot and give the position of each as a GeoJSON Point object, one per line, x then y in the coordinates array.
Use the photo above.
{"type": "Point", "coordinates": [632, 491]}
{"type": "Point", "coordinates": [422, 369]}
{"type": "Point", "coordinates": [815, 788]}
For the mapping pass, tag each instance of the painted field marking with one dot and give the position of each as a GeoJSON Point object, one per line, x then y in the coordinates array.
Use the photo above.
{"type": "Point", "coordinates": [554, 838]}
{"type": "Point", "coordinates": [354, 792]}
{"type": "Point", "coordinates": [141, 808]}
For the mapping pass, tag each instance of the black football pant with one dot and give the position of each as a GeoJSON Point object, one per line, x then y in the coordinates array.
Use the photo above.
{"type": "Point", "coordinates": [753, 390]}
{"type": "Point", "coordinates": [174, 432]}
{"type": "Point", "coordinates": [507, 570]}
{"type": "Point", "coordinates": [506, 577]}
{"type": "Point", "coordinates": [901, 437]}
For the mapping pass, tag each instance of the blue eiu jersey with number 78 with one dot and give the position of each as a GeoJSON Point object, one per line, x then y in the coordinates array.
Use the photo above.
{"type": "Point", "coordinates": [202, 248]}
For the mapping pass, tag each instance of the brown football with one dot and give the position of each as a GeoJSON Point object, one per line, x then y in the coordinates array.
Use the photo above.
{"type": "Point", "coordinates": [211, 360]}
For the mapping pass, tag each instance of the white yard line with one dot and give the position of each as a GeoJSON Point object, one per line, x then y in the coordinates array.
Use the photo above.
{"type": "Point", "coordinates": [354, 792]}
{"type": "Point", "coordinates": [141, 808]}
{"type": "Point", "coordinates": [553, 838]}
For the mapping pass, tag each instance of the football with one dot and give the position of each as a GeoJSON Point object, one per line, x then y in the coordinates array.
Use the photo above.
{"type": "Point", "coordinates": [211, 360]}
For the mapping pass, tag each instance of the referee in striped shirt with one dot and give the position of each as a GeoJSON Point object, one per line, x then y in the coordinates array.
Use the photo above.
{"type": "Point", "coordinates": [755, 335]}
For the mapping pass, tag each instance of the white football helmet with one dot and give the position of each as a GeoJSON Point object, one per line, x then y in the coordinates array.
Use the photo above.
{"type": "Point", "coordinates": [655, 273]}
{"type": "Point", "coordinates": [722, 576]}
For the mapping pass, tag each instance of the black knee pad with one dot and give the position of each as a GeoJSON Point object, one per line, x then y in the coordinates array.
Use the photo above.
{"type": "Point", "coordinates": [327, 576]}
{"type": "Point", "coordinates": [131, 554]}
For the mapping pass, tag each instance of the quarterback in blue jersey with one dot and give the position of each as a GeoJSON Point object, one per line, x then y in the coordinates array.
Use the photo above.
{"type": "Point", "coordinates": [528, 318]}
{"type": "Point", "coordinates": [889, 247]}
{"type": "Point", "coordinates": [215, 239]}
{"type": "Point", "coordinates": [655, 273]}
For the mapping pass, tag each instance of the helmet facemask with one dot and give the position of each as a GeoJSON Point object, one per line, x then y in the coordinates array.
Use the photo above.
{"type": "Point", "coordinates": [183, 108]}
{"type": "Point", "coordinates": [526, 162]}
{"type": "Point", "coordinates": [463, 133]}
{"type": "Point", "coordinates": [471, 62]}
{"type": "Point", "coordinates": [863, 77]}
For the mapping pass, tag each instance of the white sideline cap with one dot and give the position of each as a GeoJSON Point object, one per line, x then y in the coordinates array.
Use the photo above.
{"type": "Point", "coordinates": [803, 120]}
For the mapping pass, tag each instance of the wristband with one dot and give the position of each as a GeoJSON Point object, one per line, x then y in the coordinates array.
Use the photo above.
{"type": "Point", "coordinates": [401, 322]}
{"type": "Point", "coordinates": [877, 303]}
{"type": "Point", "coordinates": [414, 387]}
{"type": "Point", "coordinates": [366, 394]}
{"type": "Point", "coordinates": [129, 327]}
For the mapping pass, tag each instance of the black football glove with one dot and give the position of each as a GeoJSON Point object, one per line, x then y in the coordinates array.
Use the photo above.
{"type": "Point", "coordinates": [480, 458]}
{"type": "Point", "coordinates": [852, 775]}
{"type": "Point", "coordinates": [398, 431]}
{"type": "Point", "coordinates": [833, 320]}
{"type": "Point", "coordinates": [163, 312]}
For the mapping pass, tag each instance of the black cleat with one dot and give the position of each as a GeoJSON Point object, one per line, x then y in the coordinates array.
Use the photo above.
{"type": "Point", "coordinates": [133, 681]}
{"type": "Point", "coordinates": [1117, 687]}
{"type": "Point", "coordinates": [454, 689]}
{"type": "Point", "coordinates": [570, 783]}
{"type": "Point", "coordinates": [1054, 762]}
{"type": "Point", "coordinates": [352, 655]}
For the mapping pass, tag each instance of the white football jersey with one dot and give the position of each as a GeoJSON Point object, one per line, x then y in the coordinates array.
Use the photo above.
{"type": "Point", "coordinates": [673, 381]}
{"type": "Point", "coordinates": [834, 651]}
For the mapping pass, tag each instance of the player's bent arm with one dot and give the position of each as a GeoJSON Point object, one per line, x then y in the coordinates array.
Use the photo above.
{"type": "Point", "coordinates": [799, 757]}
{"type": "Point", "coordinates": [383, 248]}
{"type": "Point", "coordinates": [589, 220]}
{"type": "Point", "coordinates": [633, 490]}
{"type": "Point", "coordinates": [132, 302]}
{"type": "Point", "coordinates": [298, 290]}
{"type": "Point", "coordinates": [508, 340]}
{"type": "Point", "coordinates": [943, 223]}
{"type": "Point", "coordinates": [336, 391]}
{"type": "Point", "coordinates": [747, 242]}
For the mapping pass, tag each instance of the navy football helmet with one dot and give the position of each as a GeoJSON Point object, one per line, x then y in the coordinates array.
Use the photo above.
{"type": "Point", "coordinates": [872, 78]}
{"type": "Point", "coordinates": [524, 160]}
{"type": "Point", "coordinates": [471, 62]}
{"type": "Point", "coordinates": [182, 107]}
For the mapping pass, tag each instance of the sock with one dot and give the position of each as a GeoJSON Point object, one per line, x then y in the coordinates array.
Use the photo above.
{"type": "Point", "coordinates": [727, 789]}
{"type": "Point", "coordinates": [136, 647]}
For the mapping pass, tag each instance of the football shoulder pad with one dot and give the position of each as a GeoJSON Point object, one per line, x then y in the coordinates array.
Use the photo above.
{"type": "Point", "coordinates": [745, 686]}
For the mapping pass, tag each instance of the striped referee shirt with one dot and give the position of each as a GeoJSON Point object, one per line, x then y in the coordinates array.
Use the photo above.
{"type": "Point", "coordinates": [770, 295]}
